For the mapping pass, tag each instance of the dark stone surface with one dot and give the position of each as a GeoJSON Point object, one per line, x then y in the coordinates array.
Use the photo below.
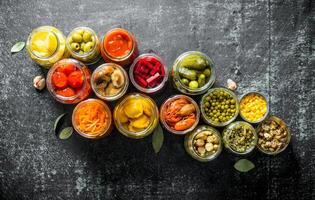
{"type": "Point", "coordinates": [271, 44]}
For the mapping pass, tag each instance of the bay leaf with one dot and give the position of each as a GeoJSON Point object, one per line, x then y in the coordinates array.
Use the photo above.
{"type": "Point", "coordinates": [244, 165]}
{"type": "Point", "coordinates": [56, 124]}
{"type": "Point", "coordinates": [157, 138]}
{"type": "Point", "coordinates": [66, 133]}
{"type": "Point", "coordinates": [17, 47]}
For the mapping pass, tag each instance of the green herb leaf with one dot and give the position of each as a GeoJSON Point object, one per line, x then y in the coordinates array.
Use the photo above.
{"type": "Point", "coordinates": [66, 133]}
{"type": "Point", "coordinates": [17, 47]}
{"type": "Point", "coordinates": [157, 138]}
{"type": "Point", "coordinates": [244, 165]}
{"type": "Point", "coordinates": [56, 124]}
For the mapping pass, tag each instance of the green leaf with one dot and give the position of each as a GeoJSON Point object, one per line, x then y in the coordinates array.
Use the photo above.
{"type": "Point", "coordinates": [66, 133]}
{"type": "Point", "coordinates": [17, 47]}
{"type": "Point", "coordinates": [56, 124]}
{"type": "Point", "coordinates": [244, 165]}
{"type": "Point", "coordinates": [157, 138]}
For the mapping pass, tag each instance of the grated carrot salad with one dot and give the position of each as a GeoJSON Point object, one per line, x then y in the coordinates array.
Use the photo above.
{"type": "Point", "coordinates": [92, 118]}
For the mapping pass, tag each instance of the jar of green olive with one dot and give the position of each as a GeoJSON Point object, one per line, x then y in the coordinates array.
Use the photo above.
{"type": "Point", "coordinates": [219, 107]}
{"type": "Point", "coordinates": [239, 137]}
{"type": "Point", "coordinates": [203, 143]}
{"type": "Point", "coordinates": [84, 45]}
{"type": "Point", "coordinates": [193, 73]}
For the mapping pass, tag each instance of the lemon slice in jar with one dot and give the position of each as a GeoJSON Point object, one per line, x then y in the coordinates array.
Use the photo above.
{"type": "Point", "coordinates": [43, 44]}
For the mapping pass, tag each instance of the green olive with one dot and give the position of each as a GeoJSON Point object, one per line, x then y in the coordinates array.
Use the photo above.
{"type": "Point", "coordinates": [76, 37]}
{"type": "Point", "coordinates": [82, 46]}
{"type": "Point", "coordinates": [193, 84]}
{"type": "Point", "coordinates": [88, 47]}
{"type": "Point", "coordinates": [87, 36]}
{"type": "Point", "coordinates": [81, 52]}
{"type": "Point", "coordinates": [80, 31]}
{"type": "Point", "coordinates": [75, 46]}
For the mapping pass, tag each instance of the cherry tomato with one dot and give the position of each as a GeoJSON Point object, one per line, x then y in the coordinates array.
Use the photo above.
{"type": "Point", "coordinates": [59, 80]}
{"type": "Point", "coordinates": [67, 92]}
{"type": "Point", "coordinates": [75, 79]}
{"type": "Point", "coordinates": [67, 68]}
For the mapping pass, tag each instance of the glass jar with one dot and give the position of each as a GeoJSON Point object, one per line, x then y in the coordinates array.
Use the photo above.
{"type": "Point", "coordinates": [136, 115]}
{"type": "Point", "coordinates": [68, 81]}
{"type": "Point", "coordinates": [92, 119]}
{"type": "Point", "coordinates": [172, 115]}
{"type": "Point", "coordinates": [187, 70]}
{"type": "Point", "coordinates": [274, 134]}
{"type": "Point", "coordinates": [253, 104]}
{"type": "Point", "coordinates": [109, 81]}
{"type": "Point", "coordinates": [46, 45]}
{"type": "Point", "coordinates": [84, 45]}
{"type": "Point", "coordinates": [242, 127]}
{"type": "Point", "coordinates": [232, 106]}
{"type": "Point", "coordinates": [150, 67]}
{"type": "Point", "coordinates": [202, 132]}
{"type": "Point", "coordinates": [119, 46]}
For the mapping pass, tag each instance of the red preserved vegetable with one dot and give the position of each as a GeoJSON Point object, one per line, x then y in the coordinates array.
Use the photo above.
{"type": "Point", "coordinates": [75, 79]}
{"type": "Point", "coordinates": [59, 80]}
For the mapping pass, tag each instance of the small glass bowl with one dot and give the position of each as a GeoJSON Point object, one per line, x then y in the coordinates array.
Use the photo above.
{"type": "Point", "coordinates": [176, 79]}
{"type": "Point", "coordinates": [171, 99]}
{"type": "Point", "coordinates": [189, 143]}
{"type": "Point", "coordinates": [148, 90]}
{"type": "Point", "coordinates": [90, 57]}
{"type": "Point", "coordinates": [233, 126]}
{"type": "Point", "coordinates": [283, 125]}
{"type": "Point", "coordinates": [213, 123]}
{"type": "Point", "coordinates": [108, 128]}
{"type": "Point", "coordinates": [123, 89]}
{"type": "Point", "coordinates": [82, 93]}
{"type": "Point", "coordinates": [153, 122]}
{"type": "Point", "coordinates": [124, 60]}
{"type": "Point", "coordinates": [266, 114]}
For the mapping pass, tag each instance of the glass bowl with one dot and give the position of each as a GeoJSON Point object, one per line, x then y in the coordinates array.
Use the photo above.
{"type": "Point", "coordinates": [234, 126]}
{"type": "Point", "coordinates": [212, 122]}
{"type": "Point", "coordinates": [142, 120]}
{"type": "Point", "coordinates": [147, 90]}
{"type": "Point", "coordinates": [168, 102]}
{"type": "Point", "coordinates": [267, 106]}
{"type": "Point", "coordinates": [273, 138]}
{"type": "Point", "coordinates": [106, 71]}
{"type": "Point", "coordinates": [98, 104]}
{"type": "Point", "coordinates": [177, 80]}
{"type": "Point", "coordinates": [191, 149]}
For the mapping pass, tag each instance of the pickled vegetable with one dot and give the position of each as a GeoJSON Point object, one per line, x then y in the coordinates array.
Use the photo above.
{"type": "Point", "coordinates": [195, 62]}
{"type": "Point", "coordinates": [187, 73]}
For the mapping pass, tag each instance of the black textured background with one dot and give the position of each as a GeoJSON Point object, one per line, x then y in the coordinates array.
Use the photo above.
{"type": "Point", "coordinates": [270, 42]}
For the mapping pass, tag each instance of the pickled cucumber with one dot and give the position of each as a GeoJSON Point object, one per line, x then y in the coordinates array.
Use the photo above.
{"type": "Point", "coordinates": [187, 73]}
{"type": "Point", "coordinates": [201, 80]}
{"type": "Point", "coordinates": [194, 62]}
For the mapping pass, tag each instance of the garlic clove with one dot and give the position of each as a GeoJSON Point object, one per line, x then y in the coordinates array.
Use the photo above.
{"type": "Point", "coordinates": [39, 82]}
{"type": "Point", "coordinates": [231, 84]}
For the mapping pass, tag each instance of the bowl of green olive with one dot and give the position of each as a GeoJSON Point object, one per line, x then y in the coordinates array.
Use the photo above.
{"type": "Point", "coordinates": [240, 137]}
{"type": "Point", "coordinates": [219, 107]}
{"type": "Point", "coordinates": [84, 45]}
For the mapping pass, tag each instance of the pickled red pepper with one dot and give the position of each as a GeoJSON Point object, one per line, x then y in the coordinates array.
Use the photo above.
{"type": "Point", "coordinates": [148, 72]}
{"type": "Point", "coordinates": [118, 43]}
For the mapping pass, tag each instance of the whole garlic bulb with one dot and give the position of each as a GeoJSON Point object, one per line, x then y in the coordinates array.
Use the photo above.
{"type": "Point", "coordinates": [231, 84]}
{"type": "Point", "coordinates": [39, 82]}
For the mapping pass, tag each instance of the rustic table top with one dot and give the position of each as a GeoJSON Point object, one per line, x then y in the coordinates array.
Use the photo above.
{"type": "Point", "coordinates": [263, 45]}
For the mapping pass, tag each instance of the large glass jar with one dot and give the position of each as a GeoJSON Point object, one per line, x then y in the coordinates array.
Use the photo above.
{"type": "Point", "coordinates": [119, 46]}
{"type": "Point", "coordinates": [92, 119]}
{"type": "Point", "coordinates": [136, 115]}
{"type": "Point", "coordinates": [84, 45]}
{"type": "Point", "coordinates": [46, 45]}
{"type": "Point", "coordinates": [109, 81]}
{"type": "Point", "coordinates": [203, 143]}
{"type": "Point", "coordinates": [148, 73]}
{"type": "Point", "coordinates": [68, 81]}
{"type": "Point", "coordinates": [193, 73]}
